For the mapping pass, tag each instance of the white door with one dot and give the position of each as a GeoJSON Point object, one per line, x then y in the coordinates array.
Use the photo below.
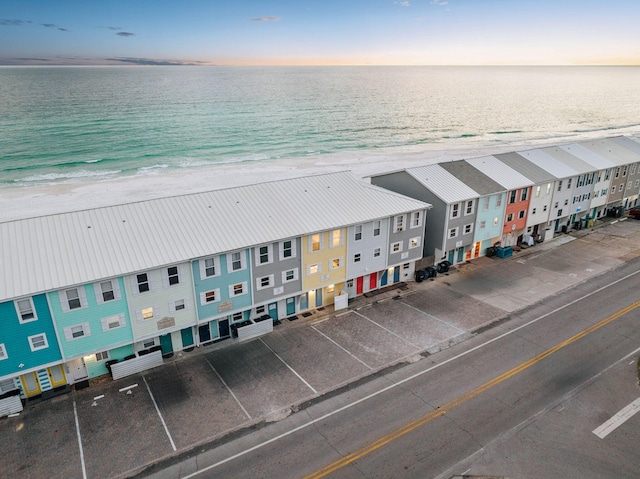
{"type": "Point", "coordinates": [77, 370]}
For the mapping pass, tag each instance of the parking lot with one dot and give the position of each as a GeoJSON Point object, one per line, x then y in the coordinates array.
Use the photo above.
{"type": "Point", "coordinates": [116, 427]}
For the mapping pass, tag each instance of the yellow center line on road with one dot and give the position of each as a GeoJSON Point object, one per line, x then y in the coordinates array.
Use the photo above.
{"type": "Point", "coordinates": [407, 428]}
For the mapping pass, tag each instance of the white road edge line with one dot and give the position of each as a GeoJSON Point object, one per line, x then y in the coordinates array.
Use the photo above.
{"type": "Point", "coordinates": [166, 429]}
{"type": "Point", "coordinates": [290, 368]}
{"type": "Point", "coordinates": [410, 378]}
{"type": "Point", "coordinates": [617, 419]}
{"type": "Point", "coordinates": [84, 468]}
{"type": "Point", "coordinates": [345, 350]}
{"type": "Point", "coordinates": [229, 389]}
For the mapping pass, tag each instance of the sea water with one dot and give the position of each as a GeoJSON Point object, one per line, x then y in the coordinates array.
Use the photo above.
{"type": "Point", "coordinates": [73, 124]}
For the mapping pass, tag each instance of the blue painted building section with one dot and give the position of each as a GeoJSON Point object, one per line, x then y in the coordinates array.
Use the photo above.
{"type": "Point", "coordinates": [14, 336]}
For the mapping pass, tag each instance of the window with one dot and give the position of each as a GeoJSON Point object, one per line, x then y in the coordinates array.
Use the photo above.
{"type": "Point", "coordinates": [613, 189]}
{"type": "Point", "coordinates": [495, 221]}
{"type": "Point", "coordinates": [607, 175]}
{"type": "Point", "coordinates": [237, 261]}
{"type": "Point", "coordinates": [376, 252]}
{"type": "Point", "coordinates": [569, 183]}
{"type": "Point", "coordinates": [336, 238]}
{"type": "Point", "coordinates": [3, 352]}
{"type": "Point", "coordinates": [566, 202]}
{"type": "Point", "coordinates": [237, 317]}
{"type": "Point", "coordinates": [406, 266]}
{"type": "Point", "coordinates": [544, 208]}
{"type": "Point", "coordinates": [414, 242]}
{"type": "Point", "coordinates": [77, 331]}
{"type": "Point", "coordinates": [533, 211]}
{"type": "Point", "coordinates": [483, 224]}
{"type": "Point", "coordinates": [376, 228]}
{"type": "Point", "coordinates": [548, 188]}
{"type": "Point", "coordinates": [173, 276]}
{"type": "Point", "coordinates": [560, 212]}
{"type": "Point", "coordinates": [398, 224]}
{"type": "Point", "coordinates": [264, 282]}
{"type": "Point", "coordinates": [560, 185]}
{"type": "Point", "coordinates": [210, 296]}
{"type": "Point", "coordinates": [357, 257]}
{"type": "Point", "coordinates": [624, 170]}
{"type": "Point", "coordinates": [358, 233]}
{"type": "Point", "coordinates": [260, 310]}
{"type": "Point", "coordinates": [73, 299]}
{"type": "Point", "coordinates": [106, 289]}
{"type": "Point", "coordinates": [453, 232]}
{"type": "Point", "coordinates": [26, 311]}
{"type": "Point", "coordinates": [509, 217]}
{"type": "Point", "coordinates": [621, 186]}
{"type": "Point", "coordinates": [512, 196]}
{"type": "Point", "coordinates": [396, 247]}
{"type": "Point", "coordinates": [263, 254]}
{"type": "Point", "coordinates": [316, 241]}
{"type": "Point", "coordinates": [143, 282]}
{"type": "Point", "coordinates": [416, 219]}
{"type": "Point", "coordinates": [287, 249]}
{"type": "Point", "coordinates": [523, 194]}
{"type": "Point", "coordinates": [238, 289]}
{"type": "Point", "coordinates": [179, 305]}
{"type": "Point", "coordinates": [498, 200]}
{"type": "Point", "coordinates": [469, 207]}
{"type": "Point", "coordinates": [537, 191]}
{"type": "Point", "coordinates": [290, 275]}
{"type": "Point", "coordinates": [485, 203]}
{"type": "Point", "coordinates": [636, 183]}
{"type": "Point", "coordinates": [468, 228]}
{"type": "Point", "coordinates": [336, 263]}
{"type": "Point", "coordinates": [112, 322]}
{"type": "Point", "coordinates": [522, 214]}
{"type": "Point", "coordinates": [102, 356]}
{"type": "Point", "coordinates": [148, 343]}
{"type": "Point", "coordinates": [38, 341]}
{"type": "Point", "coordinates": [209, 267]}
{"type": "Point", "coordinates": [633, 169]}
{"type": "Point", "coordinates": [455, 210]}
{"type": "Point", "coordinates": [147, 313]}
{"type": "Point", "coordinates": [314, 268]}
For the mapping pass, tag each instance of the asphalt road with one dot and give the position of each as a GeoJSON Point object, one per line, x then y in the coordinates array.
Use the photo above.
{"type": "Point", "coordinates": [520, 400]}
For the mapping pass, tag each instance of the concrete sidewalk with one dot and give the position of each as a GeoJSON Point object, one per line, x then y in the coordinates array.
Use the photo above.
{"type": "Point", "coordinates": [117, 428]}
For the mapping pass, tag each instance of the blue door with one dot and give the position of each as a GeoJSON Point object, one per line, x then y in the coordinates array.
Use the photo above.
{"type": "Point", "coordinates": [460, 254]}
{"type": "Point", "coordinates": [291, 306]}
{"type": "Point", "coordinates": [304, 301]}
{"type": "Point", "coordinates": [187, 337]}
{"type": "Point", "coordinates": [318, 297]}
{"type": "Point", "coordinates": [450, 258]}
{"type": "Point", "coordinates": [223, 327]}
{"type": "Point", "coordinates": [384, 278]}
{"type": "Point", "coordinates": [273, 311]}
{"type": "Point", "coordinates": [166, 345]}
{"type": "Point", "coordinates": [396, 274]}
{"type": "Point", "coordinates": [204, 332]}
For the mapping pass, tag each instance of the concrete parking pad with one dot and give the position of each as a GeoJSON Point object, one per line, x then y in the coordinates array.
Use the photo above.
{"type": "Point", "coordinates": [262, 383]}
{"type": "Point", "coordinates": [194, 402]}
{"type": "Point", "coordinates": [30, 443]}
{"type": "Point", "coordinates": [120, 431]}
{"type": "Point", "coordinates": [373, 344]}
{"type": "Point", "coordinates": [315, 357]}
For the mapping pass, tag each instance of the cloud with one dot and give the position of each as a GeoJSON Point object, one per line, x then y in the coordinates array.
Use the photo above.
{"type": "Point", "coordinates": [439, 2]}
{"type": "Point", "coordinates": [148, 61]}
{"type": "Point", "coordinates": [48, 25]}
{"type": "Point", "coordinates": [5, 22]}
{"type": "Point", "coordinates": [114, 28]}
{"type": "Point", "coordinates": [404, 3]}
{"type": "Point", "coordinates": [126, 34]}
{"type": "Point", "coordinates": [266, 19]}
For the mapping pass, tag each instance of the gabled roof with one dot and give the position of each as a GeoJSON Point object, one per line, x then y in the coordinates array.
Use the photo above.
{"type": "Point", "coordinates": [442, 183]}
{"type": "Point", "coordinates": [527, 168]}
{"type": "Point", "coordinates": [51, 252]}
{"type": "Point", "coordinates": [627, 143]}
{"type": "Point", "coordinates": [500, 172]}
{"type": "Point", "coordinates": [475, 179]}
{"type": "Point", "coordinates": [612, 151]}
{"type": "Point", "coordinates": [545, 160]}
{"type": "Point", "coordinates": [589, 158]}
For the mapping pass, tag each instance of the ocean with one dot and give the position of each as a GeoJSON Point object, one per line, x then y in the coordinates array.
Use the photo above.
{"type": "Point", "coordinates": [79, 124]}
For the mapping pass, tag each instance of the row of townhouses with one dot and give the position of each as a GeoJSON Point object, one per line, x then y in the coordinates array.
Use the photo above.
{"type": "Point", "coordinates": [519, 197]}
{"type": "Point", "coordinates": [117, 288]}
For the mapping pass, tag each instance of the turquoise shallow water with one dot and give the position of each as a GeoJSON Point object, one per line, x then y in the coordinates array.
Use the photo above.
{"type": "Point", "coordinates": [71, 124]}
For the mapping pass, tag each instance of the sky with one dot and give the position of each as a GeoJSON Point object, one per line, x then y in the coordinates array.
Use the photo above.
{"type": "Point", "coordinates": [322, 32]}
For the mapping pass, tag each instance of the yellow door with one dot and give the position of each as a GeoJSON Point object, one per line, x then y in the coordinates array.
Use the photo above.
{"type": "Point", "coordinates": [30, 384]}
{"type": "Point", "coordinates": [57, 376]}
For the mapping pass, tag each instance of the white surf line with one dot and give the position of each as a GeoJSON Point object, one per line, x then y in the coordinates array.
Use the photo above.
{"type": "Point", "coordinates": [290, 368]}
{"type": "Point", "coordinates": [345, 350]}
{"type": "Point", "coordinates": [246, 413]}
{"type": "Point", "coordinates": [402, 381]}
{"type": "Point", "coordinates": [84, 468]}
{"type": "Point", "coordinates": [389, 331]}
{"type": "Point", "coordinates": [617, 419]}
{"type": "Point", "coordinates": [166, 429]}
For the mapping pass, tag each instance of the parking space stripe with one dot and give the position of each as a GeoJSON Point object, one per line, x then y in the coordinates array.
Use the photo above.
{"type": "Point", "coordinates": [84, 468]}
{"type": "Point", "coordinates": [389, 331]}
{"type": "Point", "coordinates": [433, 317]}
{"type": "Point", "coordinates": [345, 350]}
{"type": "Point", "coordinates": [290, 368]}
{"type": "Point", "coordinates": [618, 419]}
{"type": "Point", "coordinates": [228, 389]}
{"type": "Point", "coordinates": [166, 429]}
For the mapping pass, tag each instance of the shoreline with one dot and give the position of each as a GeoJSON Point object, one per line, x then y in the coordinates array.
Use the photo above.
{"type": "Point", "coordinates": [26, 202]}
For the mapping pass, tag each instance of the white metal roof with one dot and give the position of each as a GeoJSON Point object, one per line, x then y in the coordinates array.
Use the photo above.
{"type": "Point", "coordinates": [500, 172]}
{"type": "Point", "coordinates": [51, 252]}
{"type": "Point", "coordinates": [612, 151]}
{"type": "Point", "coordinates": [544, 160]}
{"type": "Point", "coordinates": [590, 157]}
{"type": "Point", "coordinates": [442, 183]}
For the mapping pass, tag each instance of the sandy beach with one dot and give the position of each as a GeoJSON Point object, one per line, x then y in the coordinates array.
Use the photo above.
{"type": "Point", "coordinates": [20, 203]}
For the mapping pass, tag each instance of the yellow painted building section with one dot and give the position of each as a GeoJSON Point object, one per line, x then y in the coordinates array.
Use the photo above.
{"type": "Point", "coordinates": [324, 260]}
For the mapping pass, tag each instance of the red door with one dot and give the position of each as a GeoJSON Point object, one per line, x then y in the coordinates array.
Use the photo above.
{"type": "Point", "coordinates": [373, 281]}
{"type": "Point", "coordinates": [359, 284]}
